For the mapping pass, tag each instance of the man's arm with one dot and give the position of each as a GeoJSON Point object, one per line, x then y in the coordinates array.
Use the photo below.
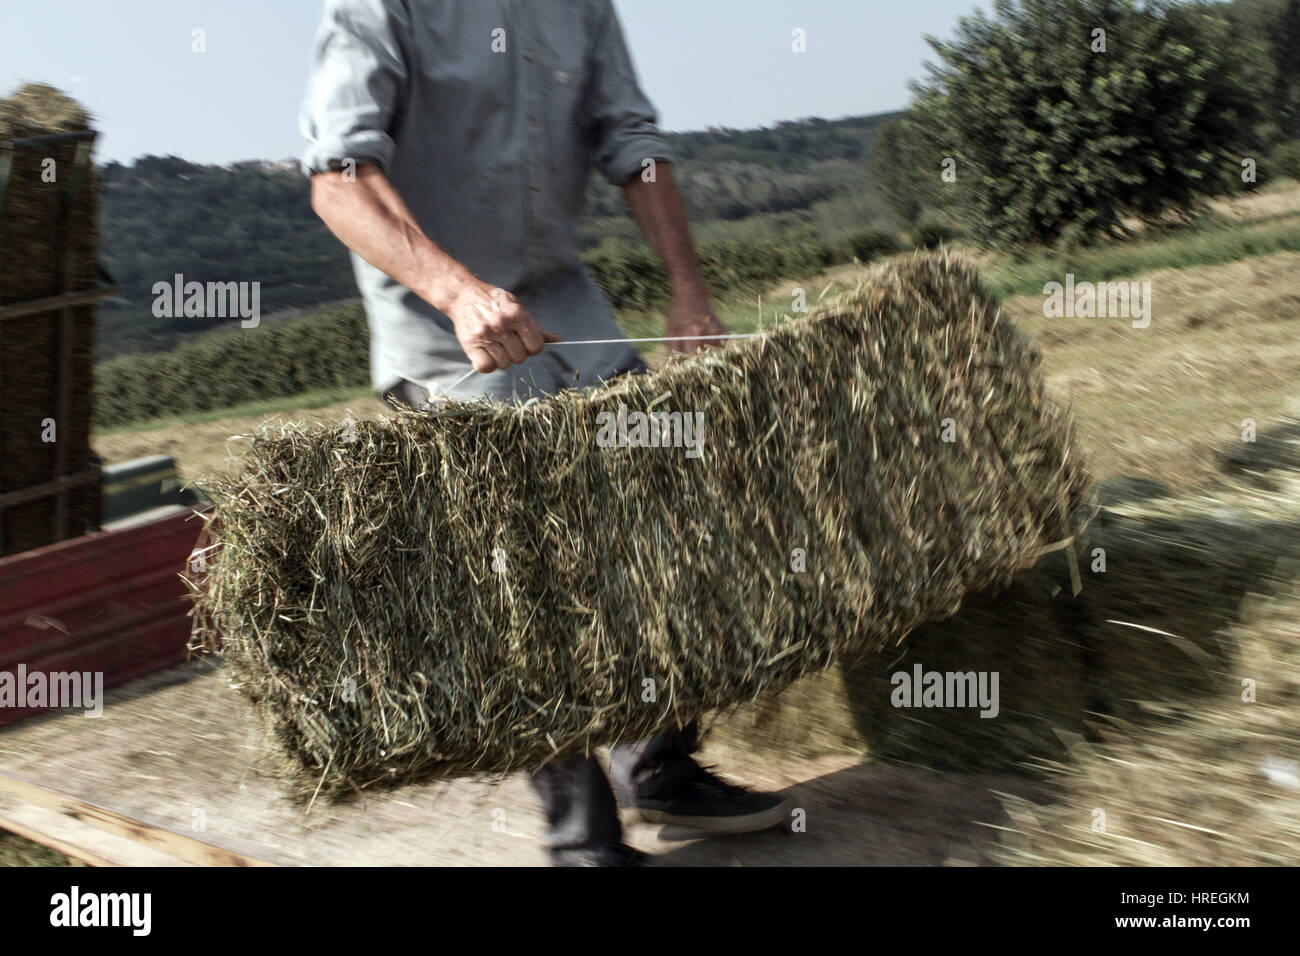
{"type": "Point", "coordinates": [626, 135]}
{"type": "Point", "coordinates": [370, 218]}
{"type": "Point", "coordinates": [360, 70]}
{"type": "Point", "coordinates": [661, 214]}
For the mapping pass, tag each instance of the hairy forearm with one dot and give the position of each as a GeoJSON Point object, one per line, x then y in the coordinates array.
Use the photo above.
{"type": "Point", "coordinates": [372, 220]}
{"type": "Point", "coordinates": [660, 212]}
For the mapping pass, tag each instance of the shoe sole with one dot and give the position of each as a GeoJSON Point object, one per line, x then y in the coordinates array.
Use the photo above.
{"type": "Point", "coordinates": [748, 823]}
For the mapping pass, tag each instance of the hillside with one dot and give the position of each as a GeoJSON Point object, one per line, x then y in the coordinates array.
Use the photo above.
{"type": "Point", "coordinates": [253, 222]}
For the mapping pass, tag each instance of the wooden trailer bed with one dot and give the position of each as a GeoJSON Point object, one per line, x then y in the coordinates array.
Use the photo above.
{"type": "Point", "coordinates": [176, 773]}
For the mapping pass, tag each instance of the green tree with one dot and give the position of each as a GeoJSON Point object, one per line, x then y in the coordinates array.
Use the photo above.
{"type": "Point", "coordinates": [1065, 117]}
{"type": "Point", "coordinates": [907, 167]}
{"type": "Point", "coordinates": [1283, 41]}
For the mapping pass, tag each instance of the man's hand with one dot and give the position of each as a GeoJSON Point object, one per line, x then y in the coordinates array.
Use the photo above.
{"type": "Point", "coordinates": [691, 314]}
{"type": "Point", "coordinates": [493, 327]}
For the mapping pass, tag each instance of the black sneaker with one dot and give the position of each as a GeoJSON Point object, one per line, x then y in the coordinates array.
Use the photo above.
{"type": "Point", "coordinates": [609, 854]}
{"type": "Point", "coordinates": [688, 795]}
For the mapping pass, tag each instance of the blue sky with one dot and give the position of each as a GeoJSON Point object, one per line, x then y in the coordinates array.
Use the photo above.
{"type": "Point", "coordinates": [702, 62]}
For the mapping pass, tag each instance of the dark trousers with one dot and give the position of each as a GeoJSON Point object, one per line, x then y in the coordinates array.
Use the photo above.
{"type": "Point", "coordinates": [578, 800]}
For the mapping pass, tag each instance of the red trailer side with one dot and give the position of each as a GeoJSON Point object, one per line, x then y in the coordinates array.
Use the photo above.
{"type": "Point", "coordinates": [112, 602]}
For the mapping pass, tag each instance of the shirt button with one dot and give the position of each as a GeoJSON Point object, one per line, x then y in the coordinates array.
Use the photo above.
{"type": "Point", "coordinates": [528, 56]}
{"type": "Point", "coordinates": [535, 187]}
{"type": "Point", "coordinates": [532, 121]}
{"type": "Point", "coordinates": [561, 77]}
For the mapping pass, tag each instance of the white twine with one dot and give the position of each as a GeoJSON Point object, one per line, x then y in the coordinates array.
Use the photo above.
{"type": "Point", "coordinates": [428, 389]}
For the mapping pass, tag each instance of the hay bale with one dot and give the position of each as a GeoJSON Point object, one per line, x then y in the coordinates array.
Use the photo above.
{"type": "Point", "coordinates": [49, 242]}
{"type": "Point", "coordinates": [360, 603]}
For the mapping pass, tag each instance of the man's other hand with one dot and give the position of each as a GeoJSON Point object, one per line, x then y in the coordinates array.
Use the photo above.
{"type": "Point", "coordinates": [690, 315]}
{"type": "Point", "coordinates": [494, 328]}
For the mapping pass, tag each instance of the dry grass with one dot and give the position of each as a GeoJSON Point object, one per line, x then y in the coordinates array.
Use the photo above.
{"type": "Point", "coordinates": [207, 448]}
{"type": "Point", "coordinates": [1161, 402]}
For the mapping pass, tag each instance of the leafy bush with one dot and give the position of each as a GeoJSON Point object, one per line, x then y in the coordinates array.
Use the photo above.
{"type": "Point", "coordinates": [1065, 117]}
{"type": "Point", "coordinates": [933, 232]}
{"type": "Point", "coordinates": [633, 278]}
{"type": "Point", "coordinates": [872, 244]}
{"type": "Point", "coordinates": [1285, 160]}
{"type": "Point", "coordinates": [328, 348]}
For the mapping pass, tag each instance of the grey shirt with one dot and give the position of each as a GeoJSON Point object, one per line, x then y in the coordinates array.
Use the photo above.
{"type": "Point", "coordinates": [487, 116]}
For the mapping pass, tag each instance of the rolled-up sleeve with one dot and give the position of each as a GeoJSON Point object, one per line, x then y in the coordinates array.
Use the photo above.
{"type": "Point", "coordinates": [626, 130]}
{"type": "Point", "coordinates": [358, 73]}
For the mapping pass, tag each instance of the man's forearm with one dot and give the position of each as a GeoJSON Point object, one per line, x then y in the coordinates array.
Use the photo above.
{"type": "Point", "coordinates": [661, 214]}
{"type": "Point", "coordinates": [659, 210]}
{"type": "Point", "coordinates": [371, 218]}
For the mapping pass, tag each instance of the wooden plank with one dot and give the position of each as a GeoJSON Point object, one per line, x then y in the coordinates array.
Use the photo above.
{"type": "Point", "coordinates": [58, 486]}
{"type": "Point", "coordinates": [21, 310]}
{"type": "Point", "coordinates": [47, 834]}
{"type": "Point", "coordinates": [76, 840]}
{"type": "Point", "coordinates": [141, 831]}
{"type": "Point", "coordinates": [182, 745]}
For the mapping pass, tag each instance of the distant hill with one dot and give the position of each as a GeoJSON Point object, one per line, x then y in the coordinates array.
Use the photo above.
{"type": "Point", "coordinates": [253, 221]}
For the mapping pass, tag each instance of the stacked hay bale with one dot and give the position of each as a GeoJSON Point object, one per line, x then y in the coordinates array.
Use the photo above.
{"type": "Point", "coordinates": [487, 586]}
{"type": "Point", "coordinates": [48, 245]}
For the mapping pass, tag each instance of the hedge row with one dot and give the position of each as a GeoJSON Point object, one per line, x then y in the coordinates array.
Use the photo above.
{"type": "Point", "coordinates": [633, 278]}
{"type": "Point", "coordinates": [327, 348]}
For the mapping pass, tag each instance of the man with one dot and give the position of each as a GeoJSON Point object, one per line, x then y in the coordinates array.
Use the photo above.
{"type": "Point", "coordinates": [450, 146]}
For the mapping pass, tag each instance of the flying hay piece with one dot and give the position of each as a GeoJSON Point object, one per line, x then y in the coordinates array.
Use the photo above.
{"type": "Point", "coordinates": [486, 586]}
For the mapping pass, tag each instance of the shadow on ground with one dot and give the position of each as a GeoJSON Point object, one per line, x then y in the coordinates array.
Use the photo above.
{"type": "Point", "coordinates": [1163, 580]}
{"type": "Point", "coordinates": [866, 815]}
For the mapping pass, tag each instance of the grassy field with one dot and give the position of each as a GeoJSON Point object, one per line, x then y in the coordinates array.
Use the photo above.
{"type": "Point", "coordinates": [1165, 403]}
{"type": "Point", "coordinates": [15, 851]}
